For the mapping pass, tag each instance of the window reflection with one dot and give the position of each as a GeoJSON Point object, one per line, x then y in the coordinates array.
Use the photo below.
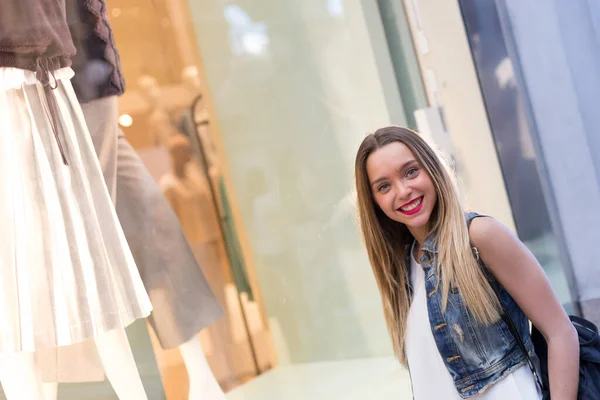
{"type": "Point", "coordinates": [246, 36]}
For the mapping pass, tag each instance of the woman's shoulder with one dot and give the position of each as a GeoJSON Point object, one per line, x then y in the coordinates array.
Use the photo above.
{"type": "Point", "coordinates": [470, 216]}
{"type": "Point", "coordinates": [484, 230]}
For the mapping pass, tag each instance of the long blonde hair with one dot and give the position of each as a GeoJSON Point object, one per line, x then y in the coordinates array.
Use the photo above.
{"type": "Point", "coordinates": [388, 242]}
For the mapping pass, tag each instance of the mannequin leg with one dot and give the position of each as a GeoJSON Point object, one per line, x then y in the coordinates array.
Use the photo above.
{"type": "Point", "coordinates": [203, 385]}
{"type": "Point", "coordinates": [119, 365]}
{"type": "Point", "coordinates": [20, 377]}
{"type": "Point", "coordinates": [51, 391]}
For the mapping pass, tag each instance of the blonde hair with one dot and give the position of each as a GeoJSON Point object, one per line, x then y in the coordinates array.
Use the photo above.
{"type": "Point", "coordinates": [388, 242]}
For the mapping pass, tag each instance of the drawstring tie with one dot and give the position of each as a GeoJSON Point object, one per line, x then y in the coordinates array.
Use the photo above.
{"type": "Point", "coordinates": [45, 75]}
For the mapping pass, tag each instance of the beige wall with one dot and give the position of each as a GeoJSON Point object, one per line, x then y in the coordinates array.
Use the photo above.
{"type": "Point", "coordinates": [449, 59]}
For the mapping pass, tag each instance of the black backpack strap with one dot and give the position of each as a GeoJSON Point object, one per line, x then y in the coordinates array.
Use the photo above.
{"type": "Point", "coordinates": [505, 314]}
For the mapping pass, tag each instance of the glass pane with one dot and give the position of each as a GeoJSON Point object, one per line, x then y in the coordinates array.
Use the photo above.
{"type": "Point", "coordinates": [294, 86]}
{"type": "Point", "coordinates": [165, 118]}
{"type": "Point", "coordinates": [513, 137]}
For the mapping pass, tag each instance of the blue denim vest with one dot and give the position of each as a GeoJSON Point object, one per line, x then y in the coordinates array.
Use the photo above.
{"type": "Point", "coordinates": [476, 356]}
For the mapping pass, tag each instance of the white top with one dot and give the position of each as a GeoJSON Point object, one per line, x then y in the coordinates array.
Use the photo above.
{"type": "Point", "coordinates": [430, 378]}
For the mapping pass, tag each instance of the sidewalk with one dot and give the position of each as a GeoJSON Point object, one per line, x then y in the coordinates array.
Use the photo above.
{"type": "Point", "coordinates": [370, 378]}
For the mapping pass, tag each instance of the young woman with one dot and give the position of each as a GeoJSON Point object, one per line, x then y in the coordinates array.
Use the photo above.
{"type": "Point", "coordinates": [442, 313]}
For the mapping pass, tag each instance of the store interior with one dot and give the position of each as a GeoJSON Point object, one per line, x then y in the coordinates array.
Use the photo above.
{"type": "Point", "coordinates": [165, 114]}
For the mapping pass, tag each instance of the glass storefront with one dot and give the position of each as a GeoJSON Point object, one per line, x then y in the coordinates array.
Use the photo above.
{"type": "Point", "coordinates": [274, 103]}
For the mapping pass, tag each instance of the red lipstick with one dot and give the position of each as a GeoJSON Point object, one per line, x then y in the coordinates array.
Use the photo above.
{"type": "Point", "coordinates": [410, 203]}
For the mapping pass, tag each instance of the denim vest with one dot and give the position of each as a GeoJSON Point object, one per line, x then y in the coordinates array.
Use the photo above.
{"type": "Point", "coordinates": [476, 356]}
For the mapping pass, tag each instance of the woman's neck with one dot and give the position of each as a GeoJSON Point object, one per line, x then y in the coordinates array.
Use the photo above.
{"type": "Point", "coordinates": [420, 234]}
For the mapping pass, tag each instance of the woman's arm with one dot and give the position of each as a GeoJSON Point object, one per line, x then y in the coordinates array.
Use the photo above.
{"type": "Point", "coordinates": [521, 275]}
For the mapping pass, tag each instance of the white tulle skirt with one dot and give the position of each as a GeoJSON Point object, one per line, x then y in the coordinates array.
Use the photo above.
{"type": "Point", "coordinates": [66, 272]}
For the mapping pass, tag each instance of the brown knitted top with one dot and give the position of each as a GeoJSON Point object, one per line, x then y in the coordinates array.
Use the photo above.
{"type": "Point", "coordinates": [97, 66]}
{"type": "Point", "coordinates": [34, 35]}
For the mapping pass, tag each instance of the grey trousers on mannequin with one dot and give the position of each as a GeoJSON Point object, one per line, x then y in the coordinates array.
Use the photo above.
{"type": "Point", "coordinates": [183, 303]}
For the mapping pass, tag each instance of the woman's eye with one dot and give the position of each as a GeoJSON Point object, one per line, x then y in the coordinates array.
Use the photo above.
{"type": "Point", "coordinates": [412, 172]}
{"type": "Point", "coordinates": [383, 187]}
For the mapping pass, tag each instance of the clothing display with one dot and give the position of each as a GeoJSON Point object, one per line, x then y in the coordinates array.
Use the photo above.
{"type": "Point", "coordinates": [34, 35]}
{"type": "Point", "coordinates": [426, 364]}
{"type": "Point", "coordinates": [69, 281]}
{"type": "Point", "coordinates": [183, 303]}
{"type": "Point", "coordinates": [67, 274]}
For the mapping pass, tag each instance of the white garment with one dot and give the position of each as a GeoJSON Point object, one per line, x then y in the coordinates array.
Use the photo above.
{"type": "Point", "coordinates": [66, 272]}
{"type": "Point", "coordinates": [430, 378]}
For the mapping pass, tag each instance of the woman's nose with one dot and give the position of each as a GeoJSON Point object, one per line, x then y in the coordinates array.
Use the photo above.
{"type": "Point", "coordinates": [403, 191]}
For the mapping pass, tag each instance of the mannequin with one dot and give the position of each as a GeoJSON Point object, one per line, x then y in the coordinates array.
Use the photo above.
{"type": "Point", "coordinates": [201, 225]}
{"type": "Point", "coordinates": [202, 383]}
{"type": "Point", "coordinates": [137, 222]}
{"type": "Point", "coordinates": [159, 120]}
{"type": "Point", "coordinates": [182, 301]}
{"type": "Point", "coordinates": [188, 192]}
{"type": "Point", "coordinates": [33, 320]}
{"type": "Point", "coordinates": [117, 361]}
{"type": "Point", "coordinates": [195, 124]}
{"type": "Point", "coordinates": [67, 275]}
{"type": "Point", "coordinates": [20, 376]}
{"type": "Point", "coordinates": [189, 195]}
{"type": "Point", "coordinates": [191, 79]}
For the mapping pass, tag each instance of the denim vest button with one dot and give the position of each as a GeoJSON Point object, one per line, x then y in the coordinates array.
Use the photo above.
{"type": "Point", "coordinates": [426, 260]}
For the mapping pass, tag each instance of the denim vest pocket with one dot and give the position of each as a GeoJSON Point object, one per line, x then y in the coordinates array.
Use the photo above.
{"type": "Point", "coordinates": [478, 345]}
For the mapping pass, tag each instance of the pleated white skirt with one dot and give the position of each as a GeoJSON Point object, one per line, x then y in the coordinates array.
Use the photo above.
{"type": "Point", "coordinates": [66, 272]}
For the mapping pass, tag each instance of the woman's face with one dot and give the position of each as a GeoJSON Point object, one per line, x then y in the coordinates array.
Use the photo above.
{"type": "Point", "coordinates": [400, 185]}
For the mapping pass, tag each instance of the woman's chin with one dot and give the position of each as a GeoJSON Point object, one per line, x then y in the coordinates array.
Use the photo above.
{"type": "Point", "coordinates": [418, 221]}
